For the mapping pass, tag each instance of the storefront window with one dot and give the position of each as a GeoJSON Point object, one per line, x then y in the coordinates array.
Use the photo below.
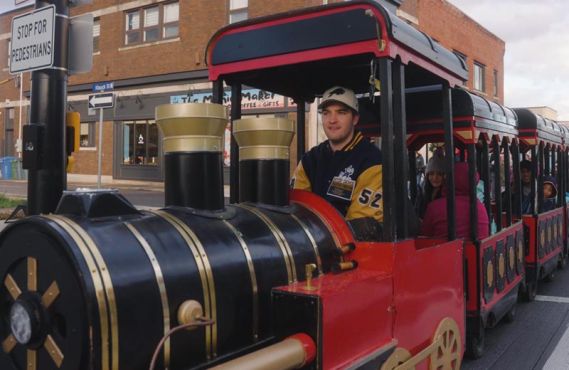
{"type": "Point", "coordinates": [140, 143]}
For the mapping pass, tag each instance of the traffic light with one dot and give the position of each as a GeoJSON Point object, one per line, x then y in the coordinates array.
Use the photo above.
{"type": "Point", "coordinates": [72, 132]}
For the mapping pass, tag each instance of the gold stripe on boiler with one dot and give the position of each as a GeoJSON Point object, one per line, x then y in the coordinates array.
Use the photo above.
{"type": "Point", "coordinates": [312, 242]}
{"type": "Point", "coordinates": [97, 283]}
{"type": "Point", "coordinates": [206, 277]}
{"type": "Point", "coordinates": [254, 286]}
{"type": "Point", "coordinates": [281, 240]}
{"type": "Point", "coordinates": [161, 287]}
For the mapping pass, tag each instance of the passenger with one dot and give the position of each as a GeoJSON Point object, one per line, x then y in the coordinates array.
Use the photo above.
{"type": "Point", "coordinates": [526, 177]}
{"type": "Point", "coordinates": [433, 186]}
{"type": "Point", "coordinates": [549, 193]}
{"type": "Point", "coordinates": [345, 169]}
{"type": "Point", "coordinates": [435, 220]}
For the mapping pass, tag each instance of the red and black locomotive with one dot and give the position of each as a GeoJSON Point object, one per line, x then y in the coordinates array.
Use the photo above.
{"type": "Point", "coordinates": [278, 279]}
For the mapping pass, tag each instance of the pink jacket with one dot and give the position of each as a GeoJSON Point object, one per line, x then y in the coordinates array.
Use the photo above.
{"type": "Point", "coordinates": [435, 220]}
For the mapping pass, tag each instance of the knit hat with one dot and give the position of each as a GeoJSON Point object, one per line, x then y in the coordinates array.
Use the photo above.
{"type": "Point", "coordinates": [436, 164]}
{"type": "Point", "coordinates": [338, 94]}
{"type": "Point", "coordinates": [525, 164]}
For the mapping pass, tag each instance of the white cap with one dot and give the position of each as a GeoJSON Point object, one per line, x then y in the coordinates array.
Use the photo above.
{"type": "Point", "coordinates": [338, 94]}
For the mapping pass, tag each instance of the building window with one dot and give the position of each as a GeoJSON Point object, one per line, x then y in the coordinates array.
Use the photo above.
{"type": "Point", "coordinates": [238, 10]}
{"type": "Point", "coordinates": [495, 83]}
{"type": "Point", "coordinates": [87, 135]}
{"type": "Point", "coordinates": [152, 24]}
{"type": "Point", "coordinates": [140, 143]}
{"type": "Point", "coordinates": [96, 34]}
{"type": "Point", "coordinates": [479, 77]}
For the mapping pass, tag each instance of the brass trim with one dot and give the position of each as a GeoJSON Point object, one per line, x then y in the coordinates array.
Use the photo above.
{"type": "Point", "coordinates": [50, 295]}
{"type": "Point", "coordinates": [31, 359]}
{"type": "Point", "coordinates": [263, 152]}
{"type": "Point", "coordinates": [192, 127]}
{"type": "Point", "coordinates": [189, 312]}
{"type": "Point", "coordinates": [54, 351]}
{"type": "Point", "coordinates": [97, 282]}
{"type": "Point", "coordinates": [206, 276]}
{"type": "Point", "coordinates": [252, 275]}
{"type": "Point", "coordinates": [281, 240]}
{"type": "Point", "coordinates": [263, 138]}
{"type": "Point", "coordinates": [32, 274]}
{"type": "Point", "coordinates": [326, 225]}
{"type": "Point", "coordinates": [159, 276]}
{"type": "Point", "coordinates": [490, 274]}
{"type": "Point", "coordinates": [312, 242]}
{"type": "Point", "coordinates": [12, 286]}
{"type": "Point", "coordinates": [286, 354]}
{"type": "Point", "coordinates": [188, 143]}
{"type": "Point", "coordinates": [501, 265]}
{"type": "Point", "coordinates": [9, 343]}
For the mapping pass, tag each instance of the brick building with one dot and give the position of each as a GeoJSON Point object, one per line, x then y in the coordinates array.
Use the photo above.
{"type": "Point", "coordinates": [153, 53]}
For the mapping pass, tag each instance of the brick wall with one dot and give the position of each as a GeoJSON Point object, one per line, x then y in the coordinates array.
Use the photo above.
{"type": "Point", "coordinates": [86, 160]}
{"type": "Point", "coordinates": [456, 31]}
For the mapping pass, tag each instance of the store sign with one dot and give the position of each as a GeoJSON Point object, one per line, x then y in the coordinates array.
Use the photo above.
{"type": "Point", "coordinates": [32, 45]}
{"type": "Point", "coordinates": [250, 99]}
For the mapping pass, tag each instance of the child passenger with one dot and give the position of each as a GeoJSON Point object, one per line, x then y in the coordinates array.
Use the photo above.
{"type": "Point", "coordinates": [549, 193]}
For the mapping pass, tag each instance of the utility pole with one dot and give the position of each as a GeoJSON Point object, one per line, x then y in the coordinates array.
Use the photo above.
{"type": "Point", "coordinates": [47, 177]}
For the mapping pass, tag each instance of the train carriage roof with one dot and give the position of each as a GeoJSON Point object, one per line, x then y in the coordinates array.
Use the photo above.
{"type": "Point", "coordinates": [303, 52]}
{"type": "Point", "coordinates": [472, 115]}
{"type": "Point", "coordinates": [535, 128]}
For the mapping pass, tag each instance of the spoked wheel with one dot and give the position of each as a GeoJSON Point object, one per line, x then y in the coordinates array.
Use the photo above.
{"type": "Point", "coordinates": [398, 357]}
{"type": "Point", "coordinates": [447, 355]}
{"type": "Point", "coordinates": [475, 342]}
{"type": "Point", "coordinates": [41, 326]}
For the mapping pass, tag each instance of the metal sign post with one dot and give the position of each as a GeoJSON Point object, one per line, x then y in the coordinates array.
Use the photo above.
{"type": "Point", "coordinates": [101, 101]}
{"type": "Point", "coordinates": [100, 158]}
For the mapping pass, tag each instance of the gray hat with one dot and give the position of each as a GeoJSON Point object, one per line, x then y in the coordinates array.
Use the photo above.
{"type": "Point", "coordinates": [436, 164]}
{"type": "Point", "coordinates": [338, 94]}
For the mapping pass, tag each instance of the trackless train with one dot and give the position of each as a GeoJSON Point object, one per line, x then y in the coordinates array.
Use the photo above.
{"type": "Point", "coordinates": [277, 279]}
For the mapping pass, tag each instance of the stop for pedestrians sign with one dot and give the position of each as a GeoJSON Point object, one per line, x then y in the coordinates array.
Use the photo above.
{"type": "Point", "coordinates": [32, 45]}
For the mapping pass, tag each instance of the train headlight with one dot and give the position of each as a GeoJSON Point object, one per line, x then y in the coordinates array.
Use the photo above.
{"type": "Point", "coordinates": [21, 323]}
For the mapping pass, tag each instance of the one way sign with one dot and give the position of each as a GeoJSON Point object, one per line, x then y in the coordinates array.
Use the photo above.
{"type": "Point", "coordinates": [102, 101]}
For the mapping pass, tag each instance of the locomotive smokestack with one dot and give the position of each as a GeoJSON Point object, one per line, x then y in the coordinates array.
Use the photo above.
{"type": "Point", "coordinates": [264, 159]}
{"type": "Point", "coordinates": [193, 145]}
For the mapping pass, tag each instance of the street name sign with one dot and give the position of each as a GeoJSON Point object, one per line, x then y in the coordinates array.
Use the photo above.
{"type": "Point", "coordinates": [32, 45]}
{"type": "Point", "coordinates": [101, 101]}
{"type": "Point", "coordinates": [99, 87]}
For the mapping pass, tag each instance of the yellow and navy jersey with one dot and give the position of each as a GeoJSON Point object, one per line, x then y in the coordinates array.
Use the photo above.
{"type": "Point", "coordinates": [350, 178]}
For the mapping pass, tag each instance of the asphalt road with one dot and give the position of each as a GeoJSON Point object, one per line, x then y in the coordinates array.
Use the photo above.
{"type": "Point", "coordinates": [539, 336]}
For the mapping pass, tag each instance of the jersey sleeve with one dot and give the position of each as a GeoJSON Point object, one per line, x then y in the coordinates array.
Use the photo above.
{"type": "Point", "coordinates": [300, 179]}
{"type": "Point", "coordinates": [367, 198]}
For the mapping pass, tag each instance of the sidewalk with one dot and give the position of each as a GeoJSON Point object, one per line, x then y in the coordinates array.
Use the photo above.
{"type": "Point", "coordinates": [90, 181]}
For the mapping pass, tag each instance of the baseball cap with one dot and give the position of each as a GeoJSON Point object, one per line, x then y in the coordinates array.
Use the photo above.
{"type": "Point", "coordinates": [338, 94]}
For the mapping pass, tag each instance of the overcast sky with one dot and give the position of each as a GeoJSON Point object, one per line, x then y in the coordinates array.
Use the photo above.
{"type": "Point", "coordinates": [537, 48]}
